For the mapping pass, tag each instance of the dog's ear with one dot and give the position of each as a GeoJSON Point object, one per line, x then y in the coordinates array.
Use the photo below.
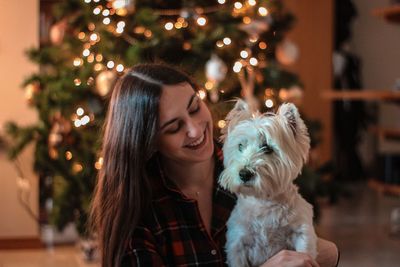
{"type": "Point", "coordinates": [240, 112]}
{"type": "Point", "coordinates": [292, 116]}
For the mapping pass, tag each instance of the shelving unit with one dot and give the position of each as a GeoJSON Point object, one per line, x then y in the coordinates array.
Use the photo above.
{"type": "Point", "coordinates": [391, 13]}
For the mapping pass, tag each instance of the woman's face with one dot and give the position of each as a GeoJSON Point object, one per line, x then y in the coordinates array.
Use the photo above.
{"type": "Point", "coordinates": [185, 125]}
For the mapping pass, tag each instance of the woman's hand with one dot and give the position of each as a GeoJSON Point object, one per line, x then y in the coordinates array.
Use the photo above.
{"type": "Point", "coordinates": [288, 258]}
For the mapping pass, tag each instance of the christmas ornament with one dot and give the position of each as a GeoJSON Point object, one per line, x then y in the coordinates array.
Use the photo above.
{"type": "Point", "coordinates": [31, 89]}
{"type": "Point", "coordinates": [287, 52]}
{"type": "Point", "coordinates": [105, 81]}
{"type": "Point", "coordinates": [59, 130]}
{"type": "Point", "coordinates": [216, 69]}
{"type": "Point", "coordinates": [57, 32]}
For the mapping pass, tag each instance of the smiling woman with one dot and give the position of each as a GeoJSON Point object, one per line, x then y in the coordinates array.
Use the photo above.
{"type": "Point", "coordinates": [157, 201]}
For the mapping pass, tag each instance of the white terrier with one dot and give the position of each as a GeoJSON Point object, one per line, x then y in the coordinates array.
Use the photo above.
{"type": "Point", "coordinates": [263, 154]}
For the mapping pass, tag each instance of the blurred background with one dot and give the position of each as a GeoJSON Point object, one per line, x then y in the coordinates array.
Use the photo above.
{"type": "Point", "coordinates": [337, 60]}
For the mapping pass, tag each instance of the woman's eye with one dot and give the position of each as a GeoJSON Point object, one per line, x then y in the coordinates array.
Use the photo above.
{"type": "Point", "coordinates": [267, 149]}
{"type": "Point", "coordinates": [241, 147]}
{"type": "Point", "coordinates": [195, 110]}
{"type": "Point", "coordinates": [174, 129]}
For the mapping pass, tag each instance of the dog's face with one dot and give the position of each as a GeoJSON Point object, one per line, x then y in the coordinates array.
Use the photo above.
{"type": "Point", "coordinates": [263, 153]}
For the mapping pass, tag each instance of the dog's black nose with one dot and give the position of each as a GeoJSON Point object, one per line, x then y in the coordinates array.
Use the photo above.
{"type": "Point", "coordinates": [245, 175]}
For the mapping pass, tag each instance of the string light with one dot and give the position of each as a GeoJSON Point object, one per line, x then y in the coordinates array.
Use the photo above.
{"type": "Point", "coordinates": [121, 24]}
{"type": "Point", "coordinates": [80, 111]}
{"type": "Point", "coordinates": [262, 11]}
{"type": "Point", "coordinates": [237, 67]}
{"type": "Point", "coordinates": [244, 54]}
{"type": "Point", "coordinates": [91, 26]}
{"type": "Point", "coordinates": [77, 82]}
{"type": "Point", "coordinates": [209, 85]}
{"type": "Point", "coordinates": [220, 44]}
{"type": "Point", "coordinates": [90, 58]}
{"type": "Point", "coordinates": [119, 30]}
{"type": "Point", "coordinates": [253, 61]}
{"type": "Point", "coordinates": [221, 124]}
{"type": "Point", "coordinates": [201, 21]}
{"type": "Point", "coordinates": [86, 52]}
{"type": "Point", "coordinates": [99, 57]}
{"type": "Point", "coordinates": [94, 37]}
{"type": "Point", "coordinates": [106, 21]}
{"type": "Point", "coordinates": [99, 163]}
{"type": "Point", "coordinates": [78, 61]}
{"type": "Point", "coordinates": [269, 103]}
{"type": "Point", "coordinates": [168, 26]}
{"type": "Point", "coordinates": [252, 2]}
{"type": "Point", "coordinates": [227, 40]}
{"type": "Point", "coordinates": [106, 12]}
{"type": "Point", "coordinates": [77, 167]}
{"type": "Point", "coordinates": [110, 64]}
{"type": "Point", "coordinates": [221, 2]}
{"type": "Point", "coordinates": [97, 10]}
{"type": "Point", "coordinates": [85, 120]}
{"type": "Point", "coordinates": [202, 94]}
{"type": "Point", "coordinates": [238, 5]}
{"type": "Point", "coordinates": [262, 45]}
{"type": "Point", "coordinates": [187, 46]}
{"type": "Point", "coordinates": [148, 33]}
{"type": "Point", "coordinates": [98, 67]}
{"type": "Point", "coordinates": [246, 20]}
{"type": "Point", "coordinates": [87, 1]}
{"type": "Point", "coordinates": [120, 68]}
{"type": "Point", "coordinates": [81, 35]}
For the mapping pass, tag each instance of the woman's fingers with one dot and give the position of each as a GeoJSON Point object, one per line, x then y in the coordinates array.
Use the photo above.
{"type": "Point", "coordinates": [288, 258]}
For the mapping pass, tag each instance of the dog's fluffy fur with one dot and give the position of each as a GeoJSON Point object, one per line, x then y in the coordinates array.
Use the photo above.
{"type": "Point", "coordinates": [263, 154]}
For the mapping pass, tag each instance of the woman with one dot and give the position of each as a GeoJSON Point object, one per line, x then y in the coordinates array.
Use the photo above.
{"type": "Point", "coordinates": [157, 202]}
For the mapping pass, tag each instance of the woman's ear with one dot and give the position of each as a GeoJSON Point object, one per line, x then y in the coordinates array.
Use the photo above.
{"type": "Point", "coordinates": [240, 112]}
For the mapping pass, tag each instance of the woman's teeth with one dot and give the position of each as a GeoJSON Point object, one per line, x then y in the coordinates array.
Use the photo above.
{"type": "Point", "coordinates": [197, 142]}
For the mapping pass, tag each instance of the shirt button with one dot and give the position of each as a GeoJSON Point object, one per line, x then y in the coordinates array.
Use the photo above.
{"type": "Point", "coordinates": [213, 252]}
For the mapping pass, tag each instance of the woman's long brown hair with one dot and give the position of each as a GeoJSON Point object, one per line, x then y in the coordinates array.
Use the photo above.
{"type": "Point", "coordinates": [128, 147]}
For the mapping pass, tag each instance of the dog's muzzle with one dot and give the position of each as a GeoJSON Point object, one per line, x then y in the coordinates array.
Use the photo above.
{"type": "Point", "coordinates": [246, 175]}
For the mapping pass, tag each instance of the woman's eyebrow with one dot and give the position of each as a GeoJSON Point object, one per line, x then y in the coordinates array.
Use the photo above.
{"type": "Point", "coordinates": [173, 120]}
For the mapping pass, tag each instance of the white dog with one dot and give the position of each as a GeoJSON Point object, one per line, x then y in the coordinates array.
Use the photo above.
{"type": "Point", "coordinates": [263, 154]}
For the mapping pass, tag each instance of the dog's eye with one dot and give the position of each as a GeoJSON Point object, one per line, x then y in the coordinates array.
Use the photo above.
{"type": "Point", "coordinates": [240, 147]}
{"type": "Point", "coordinates": [267, 149]}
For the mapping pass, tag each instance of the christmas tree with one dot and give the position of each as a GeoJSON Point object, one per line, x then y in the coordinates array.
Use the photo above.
{"type": "Point", "coordinates": [232, 49]}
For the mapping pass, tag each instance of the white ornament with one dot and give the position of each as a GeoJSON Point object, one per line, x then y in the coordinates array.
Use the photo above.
{"type": "Point", "coordinates": [216, 69]}
{"type": "Point", "coordinates": [105, 81]}
{"type": "Point", "coordinates": [287, 52]}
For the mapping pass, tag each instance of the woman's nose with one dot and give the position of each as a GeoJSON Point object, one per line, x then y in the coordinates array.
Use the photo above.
{"type": "Point", "coordinates": [193, 129]}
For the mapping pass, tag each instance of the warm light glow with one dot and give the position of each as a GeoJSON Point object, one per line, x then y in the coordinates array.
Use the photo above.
{"type": "Point", "coordinates": [96, 11]}
{"type": "Point", "coordinates": [105, 12]}
{"type": "Point", "coordinates": [269, 103]}
{"type": "Point", "coordinates": [78, 61]}
{"type": "Point", "coordinates": [221, 124]}
{"type": "Point", "coordinates": [220, 44]}
{"type": "Point", "coordinates": [99, 163]}
{"type": "Point", "coordinates": [246, 20]}
{"type": "Point", "coordinates": [238, 5]}
{"type": "Point", "coordinates": [187, 46]}
{"type": "Point", "coordinates": [98, 67]}
{"type": "Point", "coordinates": [91, 26]}
{"type": "Point", "coordinates": [209, 85]}
{"type": "Point", "coordinates": [253, 39]}
{"type": "Point", "coordinates": [99, 57]}
{"type": "Point", "coordinates": [119, 30]}
{"type": "Point", "coordinates": [121, 24]}
{"type": "Point", "coordinates": [90, 58]}
{"type": "Point", "coordinates": [178, 25]}
{"type": "Point", "coordinates": [77, 123]}
{"type": "Point", "coordinates": [252, 2]}
{"type": "Point", "coordinates": [202, 94]}
{"type": "Point", "coordinates": [237, 67]}
{"type": "Point", "coordinates": [244, 54]}
{"type": "Point", "coordinates": [139, 29]}
{"type": "Point", "coordinates": [253, 61]}
{"type": "Point", "coordinates": [94, 37]}
{"type": "Point", "coordinates": [86, 52]}
{"type": "Point", "coordinates": [227, 40]}
{"type": "Point", "coordinates": [120, 68]}
{"type": "Point", "coordinates": [85, 120]}
{"type": "Point", "coordinates": [221, 2]}
{"type": "Point", "coordinates": [106, 21]}
{"type": "Point", "coordinates": [168, 26]}
{"type": "Point", "coordinates": [77, 167]}
{"type": "Point", "coordinates": [77, 82]}
{"type": "Point", "coordinates": [87, 1]}
{"type": "Point", "coordinates": [202, 21]}
{"type": "Point", "coordinates": [80, 111]}
{"type": "Point", "coordinates": [148, 33]}
{"type": "Point", "coordinates": [283, 94]}
{"type": "Point", "coordinates": [110, 64]}
{"type": "Point", "coordinates": [262, 11]}
{"type": "Point", "coordinates": [262, 45]}
{"type": "Point", "coordinates": [117, 4]}
{"type": "Point", "coordinates": [81, 35]}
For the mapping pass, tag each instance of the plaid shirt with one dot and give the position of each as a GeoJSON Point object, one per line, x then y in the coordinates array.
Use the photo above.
{"type": "Point", "coordinates": [173, 233]}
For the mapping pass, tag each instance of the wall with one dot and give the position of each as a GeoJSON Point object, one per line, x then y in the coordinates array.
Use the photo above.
{"type": "Point", "coordinates": [377, 43]}
{"type": "Point", "coordinates": [19, 22]}
{"type": "Point", "coordinates": [313, 33]}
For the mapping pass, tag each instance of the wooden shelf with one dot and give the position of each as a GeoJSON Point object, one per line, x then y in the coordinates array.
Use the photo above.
{"type": "Point", "coordinates": [390, 189]}
{"type": "Point", "coordinates": [391, 14]}
{"type": "Point", "coordinates": [365, 95]}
